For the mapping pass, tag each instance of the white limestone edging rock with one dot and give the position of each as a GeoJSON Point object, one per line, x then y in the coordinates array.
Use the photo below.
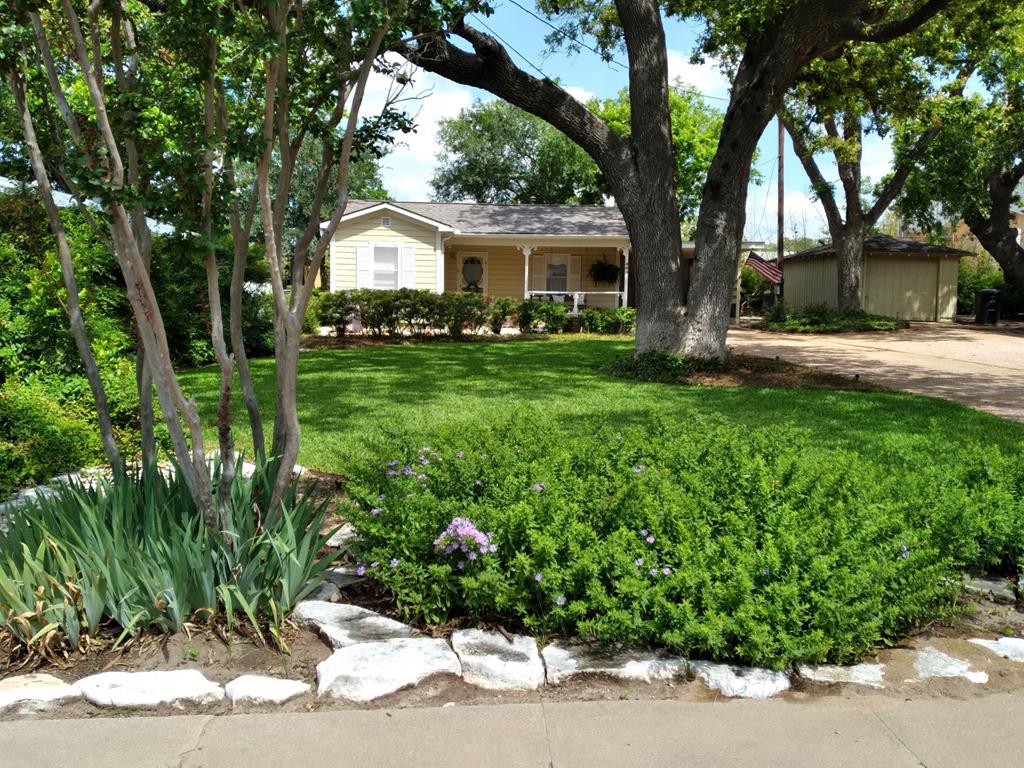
{"type": "Point", "coordinates": [1011, 648]}
{"type": "Point", "coordinates": [34, 692]}
{"type": "Point", "coordinates": [258, 689]}
{"type": "Point", "coordinates": [565, 661]}
{"type": "Point", "coordinates": [489, 660]}
{"type": "Point", "coordinates": [341, 624]}
{"type": "Point", "coordinates": [149, 689]}
{"type": "Point", "coordinates": [742, 682]}
{"type": "Point", "coordinates": [931, 662]}
{"type": "Point", "coordinates": [367, 671]}
{"type": "Point", "coordinates": [857, 674]}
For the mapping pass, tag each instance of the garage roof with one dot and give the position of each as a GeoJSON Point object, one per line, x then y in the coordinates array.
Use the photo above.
{"type": "Point", "coordinates": [885, 244]}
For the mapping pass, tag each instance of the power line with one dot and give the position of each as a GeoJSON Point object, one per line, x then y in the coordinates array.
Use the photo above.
{"type": "Point", "coordinates": [509, 46]}
{"type": "Point", "coordinates": [612, 60]}
{"type": "Point", "coordinates": [542, 20]}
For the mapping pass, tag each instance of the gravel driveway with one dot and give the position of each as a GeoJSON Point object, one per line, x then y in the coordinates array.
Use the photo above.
{"type": "Point", "coordinates": [980, 367]}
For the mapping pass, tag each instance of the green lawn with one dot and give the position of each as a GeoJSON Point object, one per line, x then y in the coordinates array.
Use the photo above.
{"type": "Point", "coordinates": [346, 397]}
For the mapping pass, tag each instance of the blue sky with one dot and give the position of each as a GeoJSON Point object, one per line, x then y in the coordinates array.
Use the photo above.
{"type": "Point", "coordinates": [408, 170]}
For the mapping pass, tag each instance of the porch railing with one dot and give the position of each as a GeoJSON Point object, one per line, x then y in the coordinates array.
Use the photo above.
{"type": "Point", "coordinates": [578, 297]}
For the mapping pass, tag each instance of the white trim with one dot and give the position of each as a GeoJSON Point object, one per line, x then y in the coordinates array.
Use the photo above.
{"type": "Point", "coordinates": [438, 263]}
{"type": "Point", "coordinates": [460, 257]}
{"type": "Point", "coordinates": [390, 208]}
{"type": "Point", "coordinates": [625, 275]}
{"type": "Point", "coordinates": [526, 251]}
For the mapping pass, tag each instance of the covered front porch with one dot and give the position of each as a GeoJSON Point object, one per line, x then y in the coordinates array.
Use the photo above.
{"type": "Point", "coordinates": [578, 272]}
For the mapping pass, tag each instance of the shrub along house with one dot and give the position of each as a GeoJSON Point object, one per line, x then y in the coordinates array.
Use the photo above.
{"type": "Point", "coordinates": [907, 279]}
{"type": "Point", "coordinates": [578, 255]}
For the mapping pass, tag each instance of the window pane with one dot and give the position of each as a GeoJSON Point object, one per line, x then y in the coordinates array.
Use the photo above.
{"type": "Point", "coordinates": [387, 280]}
{"type": "Point", "coordinates": [385, 258]}
{"type": "Point", "coordinates": [558, 271]}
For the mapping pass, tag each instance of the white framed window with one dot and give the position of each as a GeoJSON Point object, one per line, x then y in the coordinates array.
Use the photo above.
{"type": "Point", "coordinates": [385, 267]}
{"type": "Point", "coordinates": [557, 275]}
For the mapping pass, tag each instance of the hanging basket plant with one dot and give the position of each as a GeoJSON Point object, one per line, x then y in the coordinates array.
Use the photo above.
{"type": "Point", "coordinates": [604, 273]}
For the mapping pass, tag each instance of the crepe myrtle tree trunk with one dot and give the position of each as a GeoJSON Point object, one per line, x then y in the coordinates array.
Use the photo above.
{"type": "Point", "coordinates": [67, 268]}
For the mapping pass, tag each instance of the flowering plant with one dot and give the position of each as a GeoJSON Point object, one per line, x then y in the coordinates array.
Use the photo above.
{"type": "Point", "coordinates": [464, 537]}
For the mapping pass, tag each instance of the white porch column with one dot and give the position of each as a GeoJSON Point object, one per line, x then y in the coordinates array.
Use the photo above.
{"type": "Point", "coordinates": [527, 250]}
{"type": "Point", "coordinates": [439, 264]}
{"type": "Point", "coordinates": [624, 296]}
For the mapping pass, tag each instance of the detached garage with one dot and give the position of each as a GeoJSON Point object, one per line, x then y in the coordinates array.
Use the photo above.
{"type": "Point", "coordinates": [902, 278]}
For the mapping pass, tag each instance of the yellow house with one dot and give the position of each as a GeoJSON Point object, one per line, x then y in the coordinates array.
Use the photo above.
{"type": "Point", "coordinates": [907, 279]}
{"type": "Point", "coordinates": [517, 251]}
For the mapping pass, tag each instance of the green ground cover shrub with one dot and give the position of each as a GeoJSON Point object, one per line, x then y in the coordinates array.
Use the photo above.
{"type": "Point", "coordinates": [618, 320]}
{"type": "Point", "coordinates": [716, 541]}
{"type": "Point", "coordinates": [821, 318]}
{"type": "Point", "coordinates": [499, 311]}
{"type": "Point", "coordinates": [133, 554]}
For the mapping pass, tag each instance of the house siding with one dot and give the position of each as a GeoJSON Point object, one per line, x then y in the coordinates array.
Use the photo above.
{"type": "Point", "coordinates": [403, 231]}
{"type": "Point", "coordinates": [505, 275]}
{"type": "Point", "coordinates": [910, 288]}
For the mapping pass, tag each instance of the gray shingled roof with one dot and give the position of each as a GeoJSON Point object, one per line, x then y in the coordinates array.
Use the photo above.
{"type": "Point", "coordinates": [485, 219]}
{"type": "Point", "coordinates": [885, 244]}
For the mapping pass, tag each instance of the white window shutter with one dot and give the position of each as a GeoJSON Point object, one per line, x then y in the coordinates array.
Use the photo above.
{"type": "Point", "coordinates": [364, 265]}
{"type": "Point", "coordinates": [407, 278]}
{"type": "Point", "coordinates": [538, 273]}
{"type": "Point", "coordinates": [573, 281]}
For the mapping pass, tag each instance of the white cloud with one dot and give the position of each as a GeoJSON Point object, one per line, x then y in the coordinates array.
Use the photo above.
{"type": "Point", "coordinates": [706, 77]}
{"type": "Point", "coordinates": [581, 95]}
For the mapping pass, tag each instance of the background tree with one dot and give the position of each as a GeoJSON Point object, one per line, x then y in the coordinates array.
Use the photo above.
{"type": "Point", "coordinates": [767, 44]}
{"type": "Point", "coordinates": [973, 169]}
{"type": "Point", "coordinates": [835, 105]}
{"type": "Point", "coordinates": [493, 152]}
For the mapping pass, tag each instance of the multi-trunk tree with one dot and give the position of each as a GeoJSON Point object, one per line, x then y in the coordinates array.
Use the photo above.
{"type": "Point", "coordinates": [140, 110]}
{"type": "Point", "coordinates": [835, 106]}
{"type": "Point", "coordinates": [767, 44]}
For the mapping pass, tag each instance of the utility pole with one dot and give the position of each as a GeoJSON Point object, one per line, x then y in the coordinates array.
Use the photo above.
{"type": "Point", "coordinates": [782, 193]}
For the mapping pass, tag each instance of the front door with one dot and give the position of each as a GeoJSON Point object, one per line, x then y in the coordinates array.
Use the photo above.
{"type": "Point", "coordinates": [473, 272]}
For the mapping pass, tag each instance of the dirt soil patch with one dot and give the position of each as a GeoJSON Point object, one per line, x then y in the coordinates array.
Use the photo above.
{"type": "Point", "coordinates": [766, 373]}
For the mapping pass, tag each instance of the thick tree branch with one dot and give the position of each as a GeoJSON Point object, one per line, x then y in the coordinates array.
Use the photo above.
{"type": "Point", "coordinates": [821, 187]}
{"type": "Point", "coordinates": [888, 32]}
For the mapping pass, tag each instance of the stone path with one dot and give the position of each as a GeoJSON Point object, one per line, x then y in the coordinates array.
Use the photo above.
{"type": "Point", "coordinates": [375, 657]}
{"type": "Point", "coordinates": [980, 368]}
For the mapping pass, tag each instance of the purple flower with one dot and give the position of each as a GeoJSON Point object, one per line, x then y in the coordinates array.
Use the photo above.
{"type": "Point", "coordinates": [539, 487]}
{"type": "Point", "coordinates": [666, 570]}
{"type": "Point", "coordinates": [766, 571]}
{"type": "Point", "coordinates": [478, 483]}
{"type": "Point", "coordinates": [421, 477]}
{"type": "Point", "coordinates": [493, 548]}
{"type": "Point", "coordinates": [360, 570]}
{"type": "Point", "coordinates": [638, 562]}
{"type": "Point", "coordinates": [650, 539]}
{"type": "Point", "coordinates": [639, 468]}
{"type": "Point", "coordinates": [460, 454]}
{"type": "Point", "coordinates": [904, 551]}
{"type": "Point", "coordinates": [424, 460]}
{"type": "Point", "coordinates": [644, 532]}
{"type": "Point", "coordinates": [460, 565]}
{"type": "Point", "coordinates": [393, 472]}
{"type": "Point", "coordinates": [376, 511]}
{"type": "Point", "coordinates": [654, 571]}
{"type": "Point", "coordinates": [394, 562]}
{"type": "Point", "coordinates": [393, 463]}
{"type": "Point", "coordinates": [471, 555]}
{"type": "Point", "coordinates": [538, 576]}
{"type": "Point", "coordinates": [381, 497]}
{"type": "Point", "coordinates": [374, 564]}
{"type": "Point", "coordinates": [407, 470]}
{"type": "Point", "coordinates": [560, 600]}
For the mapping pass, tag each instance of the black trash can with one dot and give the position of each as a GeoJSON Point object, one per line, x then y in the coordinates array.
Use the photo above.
{"type": "Point", "coordinates": [987, 306]}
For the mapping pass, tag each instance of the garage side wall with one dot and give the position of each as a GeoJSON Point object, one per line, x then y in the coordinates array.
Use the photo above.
{"type": "Point", "coordinates": [810, 281]}
{"type": "Point", "coordinates": [922, 288]}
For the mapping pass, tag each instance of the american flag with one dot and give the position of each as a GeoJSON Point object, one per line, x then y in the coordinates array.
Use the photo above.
{"type": "Point", "coordinates": [765, 268]}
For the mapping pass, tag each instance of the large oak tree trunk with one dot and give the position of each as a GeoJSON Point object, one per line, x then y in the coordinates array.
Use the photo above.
{"type": "Point", "coordinates": [994, 231]}
{"type": "Point", "coordinates": [849, 246]}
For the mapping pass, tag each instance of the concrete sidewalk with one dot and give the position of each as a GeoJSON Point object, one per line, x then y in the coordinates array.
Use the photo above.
{"type": "Point", "coordinates": [833, 732]}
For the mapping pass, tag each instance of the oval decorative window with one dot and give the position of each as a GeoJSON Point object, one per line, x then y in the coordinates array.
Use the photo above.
{"type": "Point", "coordinates": [472, 274]}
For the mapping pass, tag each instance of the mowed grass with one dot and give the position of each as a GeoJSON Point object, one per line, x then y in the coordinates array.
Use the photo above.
{"type": "Point", "coordinates": [348, 398]}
